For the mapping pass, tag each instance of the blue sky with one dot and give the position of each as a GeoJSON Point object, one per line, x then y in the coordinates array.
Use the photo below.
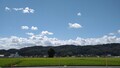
{"type": "Point", "coordinates": [97, 18]}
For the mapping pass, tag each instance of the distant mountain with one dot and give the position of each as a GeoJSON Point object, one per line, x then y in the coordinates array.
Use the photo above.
{"type": "Point", "coordinates": [68, 50]}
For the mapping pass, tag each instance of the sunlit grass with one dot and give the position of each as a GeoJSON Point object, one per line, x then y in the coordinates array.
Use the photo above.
{"type": "Point", "coordinates": [59, 61]}
{"type": "Point", "coordinates": [8, 61]}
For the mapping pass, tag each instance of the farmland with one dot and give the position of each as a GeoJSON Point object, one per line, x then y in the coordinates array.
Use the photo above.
{"type": "Point", "coordinates": [34, 62]}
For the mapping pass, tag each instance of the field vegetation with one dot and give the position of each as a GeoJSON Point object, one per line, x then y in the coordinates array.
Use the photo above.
{"type": "Point", "coordinates": [85, 61]}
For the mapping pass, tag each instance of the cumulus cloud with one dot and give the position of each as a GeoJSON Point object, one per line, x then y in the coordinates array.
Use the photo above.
{"type": "Point", "coordinates": [28, 10]}
{"type": "Point", "coordinates": [7, 8]}
{"type": "Point", "coordinates": [19, 42]}
{"type": "Point", "coordinates": [43, 40]}
{"type": "Point", "coordinates": [79, 14]}
{"type": "Point", "coordinates": [34, 28]}
{"type": "Point", "coordinates": [46, 33]}
{"type": "Point", "coordinates": [74, 25]}
{"type": "Point", "coordinates": [24, 27]}
{"type": "Point", "coordinates": [23, 10]}
{"type": "Point", "coordinates": [27, 27]}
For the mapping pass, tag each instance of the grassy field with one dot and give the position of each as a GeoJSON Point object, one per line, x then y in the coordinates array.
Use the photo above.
{"type": "Point", "coordinates": [8, 62]}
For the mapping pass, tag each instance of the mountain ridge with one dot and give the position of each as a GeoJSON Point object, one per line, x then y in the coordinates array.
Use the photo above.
{"type": "Point", "coordinates": [112, 49]}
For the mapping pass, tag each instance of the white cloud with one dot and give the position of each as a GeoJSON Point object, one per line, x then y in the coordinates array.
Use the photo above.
{"type": "Point", "coordinates": [111, 33]}
{"type": "Point", "coordinates": [74, 25]}
{"type": "Point", "coordinates": [7, 8]}
{"type": "Point", "coordinates": [23, 10]}
{"type": "Point", "coordinates": [20, 42]}
{"type": "Point", "coordinates": [79, 14]}
{"type": "Point", "coordinates": [32, 10]}
{"type": "Point", "coordinates": [24, 27]}
{"type": "Point", "coordinates": [31, 34]}
{"type": "Point", "coordinates": [42, 40]}
{"type": "Point", "coordinates": [34, 28]}
{"type": "Point", "coordinates": [46, 33]}
{"type": "Point", "coordinates": [17, 9]}
{"type": "Point", "coordinates": [28, 10]}
{"type": "Point", "coordinates": [118, 31]}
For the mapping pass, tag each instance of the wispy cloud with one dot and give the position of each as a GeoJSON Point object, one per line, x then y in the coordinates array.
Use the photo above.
{"type": "Point", "coordinates": [34, 28]}
{"type": "Point", "coordinates": [31, 34]}
{"type": "Point", "coordinates": [24, 27]}
{"type": "Point", "coordinates": [111, 33]}
{"type": "Point", "coordinates": [23, 10]}
{"type": "Point", "coordinates": [74, 25]}
{"type": "Point", "coordinates": [118, 31]}
{"type": "Point", "coordinates": [17, 9]}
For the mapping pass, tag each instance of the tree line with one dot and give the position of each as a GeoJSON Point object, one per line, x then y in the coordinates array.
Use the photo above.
{"type": "Point", "coordinates": [112, 49]}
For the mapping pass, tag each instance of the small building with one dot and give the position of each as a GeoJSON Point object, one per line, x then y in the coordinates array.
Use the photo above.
{"type": "Point", "coordinates": [1, 55]}
{"type": "Point", "coordinates": [109, 55]}
{"type": "Point", "coordinates": [44, 56]}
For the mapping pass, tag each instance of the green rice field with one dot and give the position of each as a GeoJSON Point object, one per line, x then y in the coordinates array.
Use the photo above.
{"type": "Point", "coordinates": [35, 62]}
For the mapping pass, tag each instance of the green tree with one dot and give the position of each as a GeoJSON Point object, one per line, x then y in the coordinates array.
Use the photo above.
{"type": "Point", "coordinates": [51, 53]}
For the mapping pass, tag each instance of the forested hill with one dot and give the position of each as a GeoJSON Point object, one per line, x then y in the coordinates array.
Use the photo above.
{"type": "Point", "coordinates": [68, 50]}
